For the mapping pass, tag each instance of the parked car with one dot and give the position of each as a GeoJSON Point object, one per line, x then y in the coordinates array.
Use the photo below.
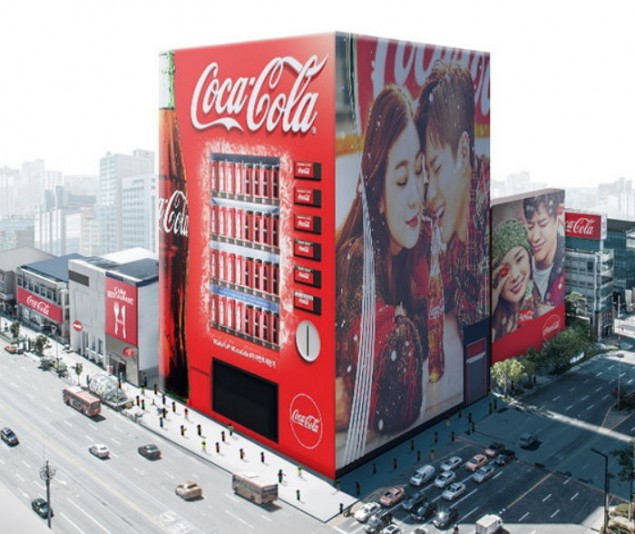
{"type": "Point", "coordinates": [391, 529]}
{"type": "Point", "coordinates": [99, 450]}
{"type": "Point", "coordinates": [150, 451]}
{"type": "Point", "coordinates": [454, 491]}
{"type": "Point", "coordinates": [412, 502]}
{"type": "Point", "coordinates": [478, 460]}
{"type": "Point", "coordinates": [41, 507]}
{"type": "Point", "coordinates": [9, 437]}
{"type": "Point", "coordinates": [392, 496]}
{"type": "Point", "coordinates": [422, 475]}
{"type": "Point", "coordinates": [11, 349]}
{"type": "Point", "coordinates": [494, 449]}
{"type": "Point", "coordinates": [527, 440]}
{"type": "Point", "coordinates": [377, 521]}
{"type": "Point", "coordinates": [505, 457]}
{"type": "Point", "coordinates": [420, 530]}
{"type": "Point", "coordinates": [483, 473]}
{"type": "Point", "coordinates": [425, 510]}
{"type": "Point", "coordinates": [451, 463]}
{"type": "Point", "coordinates": [445, 518]}
{"type": "Point", "coordinates": [444, 479]}
{"type": "Point", "coordinates": [366, 511]}
{"type": "Point", "coordinates": [189, 490]}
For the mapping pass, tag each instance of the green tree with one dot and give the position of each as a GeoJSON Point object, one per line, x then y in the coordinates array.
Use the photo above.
{"type": "Point", "coordinates": [39, 344]}
{"type": "Point", "coordinates": [575, 304]}
{"type": "Point", "coordinates": [15, 329]}
{"type": "Point", "coordinates": [626, 459]}
{"type": "Point", "coordinates": [506, 373]}
{"type": "Point", "coordinates": [79, 367]}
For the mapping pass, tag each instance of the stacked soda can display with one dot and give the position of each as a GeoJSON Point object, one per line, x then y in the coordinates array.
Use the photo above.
{"type": "Point", "coordinates": [244, 243]}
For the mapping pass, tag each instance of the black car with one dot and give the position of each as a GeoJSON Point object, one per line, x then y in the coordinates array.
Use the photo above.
{"type": "Point", "coordinates": [425, 510]}
{"type": "Point", "coordinates": [445, 518]}
{"type": "Point", "coordinates": [150, 451]}
{"type": "Point", "coordinates": [9, 437]}
{"type": "Point", "coordinates": [505, 456]}
{"type": "Point", "coordinates": [41, 507]}
{"type": "Point", "coordinates": [414, 501]}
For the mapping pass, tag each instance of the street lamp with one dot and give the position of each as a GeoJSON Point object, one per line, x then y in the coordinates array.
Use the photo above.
{"type": "Point", "coordinates": [47, 473]}
{"type": "Point", "coordinates": [606, 487]}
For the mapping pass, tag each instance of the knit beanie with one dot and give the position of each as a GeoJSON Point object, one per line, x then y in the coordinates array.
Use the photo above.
{"type": "Point", "coordinates": [508, 235]}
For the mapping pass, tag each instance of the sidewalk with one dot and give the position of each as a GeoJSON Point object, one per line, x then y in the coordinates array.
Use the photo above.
{"type": "Point", "coordinates": [301, 488]}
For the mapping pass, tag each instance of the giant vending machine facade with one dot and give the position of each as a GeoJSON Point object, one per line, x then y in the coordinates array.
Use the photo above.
{"type": "Point", "coordinates": [295, 277]}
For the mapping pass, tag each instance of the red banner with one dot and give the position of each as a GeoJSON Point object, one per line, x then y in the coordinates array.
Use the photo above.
{"type": "Point", "coordinates": [121, 311]}
{"type": "Point", "coordinates": [585, 225]}
{"type": "Point", "coordinates": [43, 307]}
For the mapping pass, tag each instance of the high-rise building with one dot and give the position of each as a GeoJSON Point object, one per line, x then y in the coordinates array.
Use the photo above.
{"type": "Point", "coordinates": [138, 212]}
{"type": "Point", "coordinates": [113, 168]}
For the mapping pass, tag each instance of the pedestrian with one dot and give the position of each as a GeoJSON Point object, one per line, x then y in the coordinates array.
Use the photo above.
{"type": "Point", "coordinates": [203, 444]}
{"type": "Point", "coordinates": [137, 400]}
{"type": "Point", "coordinates": [374, 468]}
{"type": "Point", "coordinates": [436, 437]}
{"type": "Point", "coordinates": [431, 454]}
{"type": "Point", "coordinates": [242, 453]}
{"type": "Point", "coordinates": [230, 427]}
{"type": "Point", "coordinates": [358, 489]}
{"type": "Point", "coordinates": [163, 397]}
{"type": "Point", "coordinates": [394, 463]}
{"type": "Point", "coordinates": [280, 476]}
{"type": "Point", "coordinates": [143, 404]}
{"type": "Point", "coordinates": [412, 444]}
{"type": "Point", "coordinates": [198, 430]}
{"type": "Point", "coordinates": [182, 430]}
{"type": "Point", "coordinates": [300, 472]}
{"type": "Point", "coordinates": [173, 407]}
{"type": "Point", "coordinates": [222, 436]}
{"type": "Point", "coordinates": [217, 448]}
{"type": "Point", "coordinates": [418, 455]}
{"type": "Point", "coordinates": [341, 508]}
{"type": "Point", "coordinates": [143, 391]}
{"type": "Point", "coordinates": [185, 412]}
{"type": "Point", "coordinates": [161, 422]}
{"type": "Point", "coordinates": [297, 494]}
{"type": "Point", "coordinates": [154, 386]}
{"type": "Point", "coordinates": [262, 457]}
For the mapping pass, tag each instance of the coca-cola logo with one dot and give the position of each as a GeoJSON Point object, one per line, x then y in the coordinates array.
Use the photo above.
{"type": "Point", "coordinates": [173, 214]}
{"type": "Point", "coordinates": [582, 227]}
{"type": "Point", "coordinates": [220, 102]}
{"type": "Point", "coordinates": [78, 326]}
{"type": "Point", "coordinates": [129, 352]}
{"type": "Point", "coordinates": [306, 421]}
{"type": "Point", "coordinates": [551, 327]}
{"type": "Point", "coordinates": [38, 305]}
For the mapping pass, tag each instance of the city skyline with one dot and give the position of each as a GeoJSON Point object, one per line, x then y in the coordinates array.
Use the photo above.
{"type": "Point", "coordinates": [561, 109]}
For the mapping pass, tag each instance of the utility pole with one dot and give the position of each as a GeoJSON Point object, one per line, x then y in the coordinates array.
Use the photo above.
{"type": "Point", "coordinates": [606, 487]}
{"type": "Point", "coordinates": [47, 473]}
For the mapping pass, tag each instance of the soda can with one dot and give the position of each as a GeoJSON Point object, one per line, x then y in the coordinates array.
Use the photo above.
{"type": "Point", "coordinates": [213, 263]}
{"type": "Point", "coordinates": [248, 178]}
{"type": "Point", "coordinates": [239, 319]}
{"type": "Point", "coordinates": [238, 270]}
{"type": "Point", "coordinates": [231, 261]}
{"type": "Point", "coordinates": [257, 273]}
{"type": "Point", "coordinates": [247, 234]}
{"type": "Point", "coordinates": [275, 274]}
{"type": "Point", "coordinates": [213, 308]}
{"type": "Point", "coordinates": [230, 310]}
{"type": "Point", "coordinates": [275, 221]}
{"type": "Point", "coordinates": [275, 185]}
{"type": "Point", "coordinates": [230, 213]}
{"type": "Point", "coordinates": [275, 326]}
{"type": "Point", "coordinates": [221, 265]}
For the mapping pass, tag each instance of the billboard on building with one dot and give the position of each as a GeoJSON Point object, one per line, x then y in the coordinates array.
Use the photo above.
{"type": "Point", "coordinates": [39, 305]}
{"type": "Point", "coordinates": [320, 305]}
{"type": "Point", "coordinates": [121, 311]}
{"type": "Point", "coordinates": [585, 225]}
{"type": "Point", "coordinates": [528, 271]}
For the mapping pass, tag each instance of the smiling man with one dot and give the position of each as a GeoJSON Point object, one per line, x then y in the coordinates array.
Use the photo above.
{"type": "Point", "coordinates": [457, 193]}
{"type": "Point", "coordinates": [547, 245]}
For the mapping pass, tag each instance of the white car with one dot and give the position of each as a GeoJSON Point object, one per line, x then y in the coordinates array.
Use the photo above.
{"type": "Point", "coordinates": [100, 450]}
{"type": "Point", "coordinates": [454, 491]}
{"type": "Point", "coordinates": [451, 463]}
{"type": "Point", "coordinates": [422, 475]}
{"type": "Point", "coordinates": [445, 478]}
{"type": "Point", "coordinates": [484, 473]}
{"type": "Point", "coordinates": [366, 511]}
{"type": "Point", "coordinates": [391, 529]}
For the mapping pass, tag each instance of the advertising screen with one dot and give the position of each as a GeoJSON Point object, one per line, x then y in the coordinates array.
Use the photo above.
{"type": "Point", "coordinates": [585, 225]}
{"type": "Point", "coordinates": [43, 307]}
{"type": "Point", "coordinates": [121, 311]}
{"type": "Point", "coordinates": [528, 271]}
{"type": "Point", "coordinates": [412, 236]}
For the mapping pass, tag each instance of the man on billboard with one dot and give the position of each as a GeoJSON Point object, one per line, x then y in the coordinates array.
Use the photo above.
{"type": "Point", "coordinates": [542, 214]}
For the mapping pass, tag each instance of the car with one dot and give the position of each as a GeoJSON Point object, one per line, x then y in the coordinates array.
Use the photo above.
{"type": "Point", "coordinates": [412, 502]}
{"type": "Point", "coordinates": [9, 437]}
{"type": "Point", "coordinates": [150, 451]}
{"type": "Point", "coordinates": [189, 490]}
{"type": "Point", "coordinates": [451, 463]}
{"type": "Point", "coordinates": [445, 518]}
{"type": "Point", "coordinates": [454, 491]}
{"type": "Point", "coordinates": [366, 511]}
{"type": "Point", "coordinates": [41, 507]}
{"type": "Point", "coordinates": [527, 440]}
{"type": "Point", "coordinates": [391, 529]}
{"type": "Point", "coordinates": [444, 479]}
{"type": "Point", "coordinates": [494, 449]}
{"type": "Point", "coordinates": [420, 530]}
{"type": "Point", "coordinates": [11, 349]}
{"type": "Point", "coordinates": [483, 473]}
{"type": "Point", "coordinates": [99, 450]}
{"type": "Point", "coordinates": [505, 457]}
{"type": "Point", "coordinates": [392, 496]}
{"type": "Point", "coordinates": [422, 475]}
{"type": "Point", "coordinates": [477, 461]}
{"type": "Point", "coordinates": [377, 521]}
{"type": "Point", "coordinates": [425, 510]}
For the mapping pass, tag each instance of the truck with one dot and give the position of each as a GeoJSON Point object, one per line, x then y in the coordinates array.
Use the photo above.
{"type": "Point", "coordinates": [489, 524]}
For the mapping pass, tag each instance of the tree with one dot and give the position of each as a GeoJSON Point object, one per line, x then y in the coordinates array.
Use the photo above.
{"type": "Point", "coordinates": [507, 372]}
{"type": "Point", "coordinates": [626, 459]}
{"type": "Point", "coordinates": [15, 329]}
{"type": "Point", "coordinates": [40, 343]}
{"type": "Point", "coordinates": [575, 304]}
{"type": "Point", "coordinates": [78, 370]}
{"type": "Point", "coordinates": [529, 368]}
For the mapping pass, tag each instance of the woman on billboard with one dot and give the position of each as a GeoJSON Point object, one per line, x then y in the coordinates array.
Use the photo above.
{"type": "Point", "coordinates": [515, 299]}
{"type": "Point", "coordinates": [382, 281]}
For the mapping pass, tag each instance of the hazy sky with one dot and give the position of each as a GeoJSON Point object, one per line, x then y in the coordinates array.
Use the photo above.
{"type": "Point", "coordinates": [79, 78]}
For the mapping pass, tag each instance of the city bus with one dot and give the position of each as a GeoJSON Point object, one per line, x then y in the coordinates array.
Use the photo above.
{"type": "Point", "coordinates": [252, 487]}
{"type": "Point", "coordinates": [82, 401]}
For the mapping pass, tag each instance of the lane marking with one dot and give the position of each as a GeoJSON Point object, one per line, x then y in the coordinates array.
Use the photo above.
{"type": "Point", "coordinates": [547, 498]}
{"type": "Point", "coordinates": [69, 520]}
{"type": "Point", "coordinates": [555, 513]}
{"type": "Point", "coordinates": [590, 406]}
{"type": "Point", "coordinates": [169, 474]}
{"type": "Point", "coordinates": [555, 398]}
{"type": "Point", "coordinates": [239, 519]}
{"type": "Point", "coordinates": [87, 515]}
{"type": "Point", "coordinates": [520, 519]}
{"type": "Point", "coordinates": [572, 498]}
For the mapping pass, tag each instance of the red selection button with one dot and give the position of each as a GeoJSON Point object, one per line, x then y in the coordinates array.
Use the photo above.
{"type": "Point", "coordinates": [307, 223]}
{"type": "Point", "coordinates": [306, 276]}
{"type": "Point", "coordinates": [307, 197]}
{"type": "Point", "coordinates": [307, 170]}
{"type": "Point", "coordinates": [305, 302]}
{"type": "Point", "coordinates": [306, 249]}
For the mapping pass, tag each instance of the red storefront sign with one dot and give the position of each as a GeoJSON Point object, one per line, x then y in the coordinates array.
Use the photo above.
{"type": "Point", "coordinates": [78, 326]}
{"type": "Point", "coordinates": [585, 225]}
{"type": "Point", "coordinates": [121, 310]}
{"type": "Point", "coordinates": [38, 304]}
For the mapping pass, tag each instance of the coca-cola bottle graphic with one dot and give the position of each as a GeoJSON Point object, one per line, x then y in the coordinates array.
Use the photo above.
{"type": "Point", "coordinates": [436, 309]}
{"type": "Point", "coordinates": [173, 234]}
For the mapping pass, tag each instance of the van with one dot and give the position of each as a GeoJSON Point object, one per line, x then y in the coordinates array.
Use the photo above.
{"type": "Point", "coordinates": [422, 475]}
{"type": "Point", "coordinates": [489, 524]}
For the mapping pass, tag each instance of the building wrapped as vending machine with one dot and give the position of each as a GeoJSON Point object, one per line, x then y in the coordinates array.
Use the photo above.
{"type": "Point", "coordinates": [324, 258]}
